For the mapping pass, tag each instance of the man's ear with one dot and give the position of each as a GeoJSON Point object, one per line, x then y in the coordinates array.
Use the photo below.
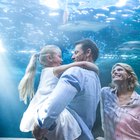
{"type": "Point", "coordinates": [88, 52]}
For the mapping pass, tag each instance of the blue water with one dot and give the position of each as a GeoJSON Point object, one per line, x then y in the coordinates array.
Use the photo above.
{"type": "Point", "coordinates": [27, 25]}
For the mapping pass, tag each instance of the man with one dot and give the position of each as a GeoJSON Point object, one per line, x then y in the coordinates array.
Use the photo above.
{"type": "Point", "coordinates": [78, 90]}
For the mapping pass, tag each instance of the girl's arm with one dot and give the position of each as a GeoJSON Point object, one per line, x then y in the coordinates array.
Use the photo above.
{"type": "Point", "coordinates": [90, 66]}
{"type": "Point", "coordinates": [84, 64]}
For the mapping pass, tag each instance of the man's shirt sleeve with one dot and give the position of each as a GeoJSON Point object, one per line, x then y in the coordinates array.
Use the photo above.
{"type": "Point", "coordinates": [70, 83]}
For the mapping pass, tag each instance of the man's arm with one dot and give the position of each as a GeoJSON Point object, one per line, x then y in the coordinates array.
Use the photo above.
{"type": "Point", "coordinates": [69, 85]}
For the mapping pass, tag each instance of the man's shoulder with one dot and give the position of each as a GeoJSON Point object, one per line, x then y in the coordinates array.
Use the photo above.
{"type": "Point", "coordinates": [80, 72]}
{"type": "Point", "coordinates": [74, 69]}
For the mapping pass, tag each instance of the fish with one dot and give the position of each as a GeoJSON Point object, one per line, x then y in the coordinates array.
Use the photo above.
{"type": "Point", "coordinates": [96, 4]}
{"type": "Point", "coordinates": [66, 13]}
{"type": "Point", "coordinates": [129, 46]}
{"type": "Point", "coordinates": [82, 26]}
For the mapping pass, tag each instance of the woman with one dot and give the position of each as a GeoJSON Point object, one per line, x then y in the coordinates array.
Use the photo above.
{"type": "Point", "coordinates": [120, 105]}
{"type": "Point", "coordinates": [50, 58]}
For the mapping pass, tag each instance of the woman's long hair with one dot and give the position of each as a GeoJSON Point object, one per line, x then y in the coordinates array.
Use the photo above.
{"type": "Point", "coordinates": [26, 85]}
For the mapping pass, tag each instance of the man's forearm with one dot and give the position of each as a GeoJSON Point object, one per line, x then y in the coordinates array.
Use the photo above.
{"type": "Point", "coordinates": [55, 104]}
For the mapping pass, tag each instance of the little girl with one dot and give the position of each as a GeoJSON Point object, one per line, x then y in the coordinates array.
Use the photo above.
{"type": "Point", "coordinates": [50, 58]}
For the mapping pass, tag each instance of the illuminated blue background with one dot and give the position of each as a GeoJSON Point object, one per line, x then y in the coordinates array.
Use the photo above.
{"type": "Point", "coordinates": [27, 25]}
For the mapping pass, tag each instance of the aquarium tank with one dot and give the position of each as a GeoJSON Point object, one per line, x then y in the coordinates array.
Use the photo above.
{"type": "Point", "coordinates": [28, 25]}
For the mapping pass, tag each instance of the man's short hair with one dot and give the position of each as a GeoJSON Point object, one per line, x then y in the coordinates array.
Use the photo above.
{"type": "Point", "coordinates": [86, 44]}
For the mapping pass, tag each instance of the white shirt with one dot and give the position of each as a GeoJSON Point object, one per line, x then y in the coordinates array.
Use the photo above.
{"type": "Point", "coordinates": [67, 127]}
{"type": "Point", "coordinates": [47, 83]}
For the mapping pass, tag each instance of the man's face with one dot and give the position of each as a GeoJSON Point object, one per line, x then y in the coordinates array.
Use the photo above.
{"type": "Point", "coordinates": [78, 54]}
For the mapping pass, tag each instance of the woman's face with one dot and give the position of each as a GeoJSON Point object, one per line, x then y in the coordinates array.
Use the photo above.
{"type": "Point", "coordinates": [119, 74]}
{"type": "Point", "coordinates": [57, 58]}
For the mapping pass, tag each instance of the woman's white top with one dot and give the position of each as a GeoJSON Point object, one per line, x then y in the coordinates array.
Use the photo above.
{"type": "Point", "coordinates": [66, 122]}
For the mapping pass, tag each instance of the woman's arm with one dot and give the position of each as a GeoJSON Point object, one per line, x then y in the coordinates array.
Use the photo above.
{"type": "Point", "coordinates": [84, 64]}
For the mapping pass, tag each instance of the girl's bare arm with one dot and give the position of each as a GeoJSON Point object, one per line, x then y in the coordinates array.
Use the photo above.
{"type": "Point", "coordinates": [84, 64]}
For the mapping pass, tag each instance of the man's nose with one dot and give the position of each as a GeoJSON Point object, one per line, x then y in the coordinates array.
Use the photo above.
{"type": "Point", "coordinates": [73, 57]}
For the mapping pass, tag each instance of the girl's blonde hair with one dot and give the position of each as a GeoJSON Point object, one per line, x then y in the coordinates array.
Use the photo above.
{"type": "Point", "coordinates": [26, 85]}
{"type": "Point", "coordinates": [133, 80]}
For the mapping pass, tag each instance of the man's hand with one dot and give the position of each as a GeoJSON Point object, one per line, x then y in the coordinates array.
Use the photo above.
{"type": "Point", "coordinates": [38, 133]}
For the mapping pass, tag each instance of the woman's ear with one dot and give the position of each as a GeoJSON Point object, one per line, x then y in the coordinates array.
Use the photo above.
{"type": "Point", "coordinates": [129, 76]}
{"type": "Point", "coordinates": [49, 58]}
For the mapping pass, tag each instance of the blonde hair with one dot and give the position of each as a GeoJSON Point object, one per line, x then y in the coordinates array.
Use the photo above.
{"type": "Point", "coordinates": [26, 85]}
{"type": "Point", "coordinates": [133, 80]}
{"type": "Point", "coordinates": [49, 49]}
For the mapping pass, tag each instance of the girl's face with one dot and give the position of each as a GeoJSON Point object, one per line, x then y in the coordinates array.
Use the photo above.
{"type": "Point", "coordinates": [119, 74]}
{"type": "Point", "coordinates": [57, 58]}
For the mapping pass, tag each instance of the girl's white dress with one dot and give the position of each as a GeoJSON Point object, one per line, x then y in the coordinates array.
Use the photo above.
{"type": "Point", "coordinates": [67, 127]}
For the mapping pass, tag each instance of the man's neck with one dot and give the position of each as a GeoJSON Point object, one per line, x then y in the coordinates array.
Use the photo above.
{"type": "Point", "coordinates": [90, 60]}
